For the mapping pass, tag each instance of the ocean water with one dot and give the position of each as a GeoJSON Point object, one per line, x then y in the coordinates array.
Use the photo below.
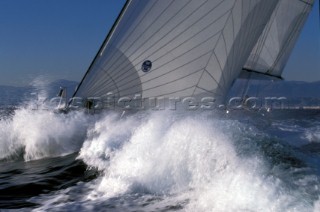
{"type": "Point", "coordinates": [160, 161]}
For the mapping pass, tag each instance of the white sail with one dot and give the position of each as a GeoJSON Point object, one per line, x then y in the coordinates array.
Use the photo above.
{"type": "Point", "coordinates": [170, 48]}
{"type": "Point", "coordinates": [273, 49]}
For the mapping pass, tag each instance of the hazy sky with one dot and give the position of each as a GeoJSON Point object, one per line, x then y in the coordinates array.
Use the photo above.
{"type": "Point", "coordinates": [57, 39]}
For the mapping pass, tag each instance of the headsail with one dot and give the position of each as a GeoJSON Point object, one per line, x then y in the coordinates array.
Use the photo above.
{"type": "Point", "coordinates": [165, 48]}
{"type": "Point", "coordinates": [273, 49]}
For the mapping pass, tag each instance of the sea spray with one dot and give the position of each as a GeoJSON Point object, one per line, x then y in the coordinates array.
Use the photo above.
{"type": "Point", "coordinates": [188, 159]}
{"type": "Point", "coordinates": [39, 133]}
{"type": "Point", "coordinates": [35, 130]}
{"type": "Point", "coordinates": [313, 134]}
{"type": "Point", "coordinates": [107, 135]}
{"type": "Point", "coordinates": [195, 162]}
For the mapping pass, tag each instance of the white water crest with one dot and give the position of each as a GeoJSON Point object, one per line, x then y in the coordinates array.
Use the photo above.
{"type": "Point", "coordinates": [190, 159]}
{"type": "Point", "coordinates": [36, 130]}
{"type": "Point", "coordinates": [38, 134]}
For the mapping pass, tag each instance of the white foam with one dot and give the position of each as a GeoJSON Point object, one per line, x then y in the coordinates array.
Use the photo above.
{"type": "Point", "coordinates": [41, 134]}
{"type": "Point", "coordinates": [316, 206]}
{"type": "Point", "coordinates": [313, 134]}
{"type": "Point", "coordinates": [37, 132]}
{"type": "Point", "coordinates": [188, 157]}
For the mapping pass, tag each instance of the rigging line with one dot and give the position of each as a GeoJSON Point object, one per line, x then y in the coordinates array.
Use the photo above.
{"type": "Point", "coordinates": [235, 34]}
{"type": "Point", "coordinates": [272, 20]}
{"type": "Point", "coordinates": [260, 27]}
{"type": "Point", "coordinates": [250, 22]}
{"type": "Point", "coordinates": [261, 73]}
{"type": "Point", "coordinates": [247, 21]}
{"type": "Point", "coordinates": [293, 36]}
{"type": "Point", "coordinates": [241, 18]}
{"type": "Point", "coordinates": [267, 48]}
{"type": "Point", "coordinates": [261, 37]}
{"type": "Point", "coordinates": [261, 43]}
{"type": "Point", "coordinates": [234, 47]}
{"type": "Point", "coordinates": [310, 4]}
{"type": "Point", "coordinates": [143, 32]}
{"type": "Point", "coordinates": [263, 46]}
{"type": "Point", "coordinates": [240, 21]}
{"type": "Point", "coordinates": [123, 70]}
{"type": "Point", "coordinates": [104, 42]}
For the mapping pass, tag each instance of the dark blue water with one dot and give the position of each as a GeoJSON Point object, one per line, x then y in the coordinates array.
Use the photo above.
{"type": "Point", "coordinates": [160, 161]}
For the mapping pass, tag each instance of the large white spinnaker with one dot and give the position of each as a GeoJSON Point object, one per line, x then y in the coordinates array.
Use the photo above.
{"type": "Point", "coordinates": [273, 49]}
{"type": "Point", "coordinates": [176, 48]}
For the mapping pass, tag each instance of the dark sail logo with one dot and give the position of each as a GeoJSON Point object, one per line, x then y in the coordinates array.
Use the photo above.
{"type": "Point", "coordinates": [146, 66]}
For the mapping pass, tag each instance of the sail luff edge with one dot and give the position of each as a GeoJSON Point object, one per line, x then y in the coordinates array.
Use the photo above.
{"type": "Point", "coordinates": [106, 40]}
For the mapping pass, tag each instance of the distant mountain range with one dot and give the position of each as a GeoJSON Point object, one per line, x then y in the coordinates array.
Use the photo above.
{"type": "Point", "coordinates": [289, 89]}
{"type": "Point", "coordinates": [297, 94]}
{"type": "Point", "coordinates": [294, 90]}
